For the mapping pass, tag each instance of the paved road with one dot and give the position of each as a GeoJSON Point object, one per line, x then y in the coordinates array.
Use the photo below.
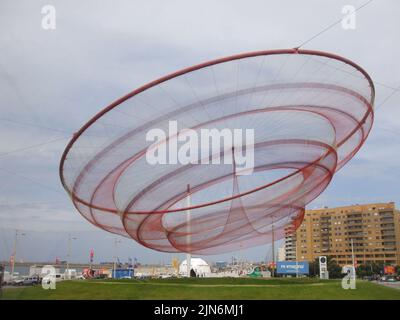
{"type": "Point", "coordinates": [395, 285]}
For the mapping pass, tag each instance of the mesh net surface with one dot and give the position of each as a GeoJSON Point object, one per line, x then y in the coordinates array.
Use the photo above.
{"type": "Point", "coordinates": [310, 112]}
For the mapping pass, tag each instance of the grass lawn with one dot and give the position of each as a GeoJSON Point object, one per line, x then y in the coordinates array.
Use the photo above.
{"type": "Point", "coordinates": [211, 288]}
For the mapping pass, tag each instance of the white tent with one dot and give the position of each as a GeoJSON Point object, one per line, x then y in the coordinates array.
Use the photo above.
{"type": "Point", "coordinates": [198, 267]}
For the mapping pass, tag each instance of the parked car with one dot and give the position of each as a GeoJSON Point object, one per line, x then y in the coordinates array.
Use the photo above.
{"type": "Point", "coordinates": [17, 282]}
{"type": "Point", "coordinates": [391, 279]}
{"type": "Point", "coordinates": [30, 281]}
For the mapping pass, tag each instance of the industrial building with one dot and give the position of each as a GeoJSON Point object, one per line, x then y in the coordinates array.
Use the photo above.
{"type": "Point", "coordinates": [371, 232]}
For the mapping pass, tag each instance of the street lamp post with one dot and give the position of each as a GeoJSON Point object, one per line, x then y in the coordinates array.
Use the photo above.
{"type": "Point", "coordinates": [69, 252]}
{"type": "Point", "coordinates": [188, 255]}
{"type": "Point", "coordinates": [14, 253]}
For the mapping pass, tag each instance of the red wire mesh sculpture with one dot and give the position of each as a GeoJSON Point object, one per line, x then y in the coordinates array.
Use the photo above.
{"type": "Point", "coordinates": [311, 112]}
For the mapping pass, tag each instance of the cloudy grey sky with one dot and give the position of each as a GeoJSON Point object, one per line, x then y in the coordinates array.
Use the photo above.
{"type": "Point", "coordinates": [52, 81]}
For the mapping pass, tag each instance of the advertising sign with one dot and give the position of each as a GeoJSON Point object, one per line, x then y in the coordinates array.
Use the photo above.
{"type": "Point", "coordinates": [123, 273]}
{"type": "Point", "coordinates": [389, 270]}
{"type": "Point", "coordinates": [323, 268]}
{"type": "Point", "coordinates": [290, 267]}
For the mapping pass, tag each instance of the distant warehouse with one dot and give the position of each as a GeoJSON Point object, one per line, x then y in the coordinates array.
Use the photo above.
{"type": "Point", "coordinates": [373, 228]}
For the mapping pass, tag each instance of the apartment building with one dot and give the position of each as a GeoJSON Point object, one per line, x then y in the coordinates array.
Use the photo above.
{"type": "Point", "coordinates": [374, 230]}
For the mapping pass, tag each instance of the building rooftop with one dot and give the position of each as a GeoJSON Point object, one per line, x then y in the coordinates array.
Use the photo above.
{"type": "Point", "coordinates": [356, 207]}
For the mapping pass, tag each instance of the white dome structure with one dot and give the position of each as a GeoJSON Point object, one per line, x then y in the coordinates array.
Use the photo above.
{"type": "Point", "coordinates": [198, 268]}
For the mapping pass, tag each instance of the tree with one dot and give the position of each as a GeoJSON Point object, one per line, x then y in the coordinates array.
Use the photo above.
{"type": "Point", "coordinates": [335, 271]}
{"type": "Point", "coordinates": [364, 270]}
{"type": "Point", "coordinates": [314, 268]}
{"type": "Point", "coordinates": [369, 269]}
{"type": "Point", "coordinates": [397, 268]}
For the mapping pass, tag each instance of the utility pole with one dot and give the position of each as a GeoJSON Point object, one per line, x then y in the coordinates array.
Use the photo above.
{"type": "Point", "coordinates": [188, 255]}
{"type": "Point", "coordinates": [69, 253]}
{"type": "Point", "coordinates": [116, 241]}
{"type": "Point", "coordinates": [353, 260]}
{"type": "Point", "coordinates": [14, 253]}
{"type": "Point", "coordinates": [241, 260]}
{"type": "Point", "coordinates": [91, 255]}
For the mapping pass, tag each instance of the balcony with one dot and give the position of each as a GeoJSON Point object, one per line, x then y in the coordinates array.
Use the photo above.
{"type": "Point", "coordinates": [388, 233]}
{"type": "Point", "coordinates": [387, 226]}
{"type": "Point", "coordinates": [389, 243]}
{"type": "Point", "coordinates": [385, 214]}
{"type": "Point", "coordinates": [325, 218]}
{"type": "Point", "coordinates": [387, 220]}
{"type": "Point", "coordinates": [355, 233]}
{"type": "Point", "coordinates": [352, 227]}
{"type": "Point", "coordinates": [354, 215]}
{"type": "Point", "coordinates": [354, 222]}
